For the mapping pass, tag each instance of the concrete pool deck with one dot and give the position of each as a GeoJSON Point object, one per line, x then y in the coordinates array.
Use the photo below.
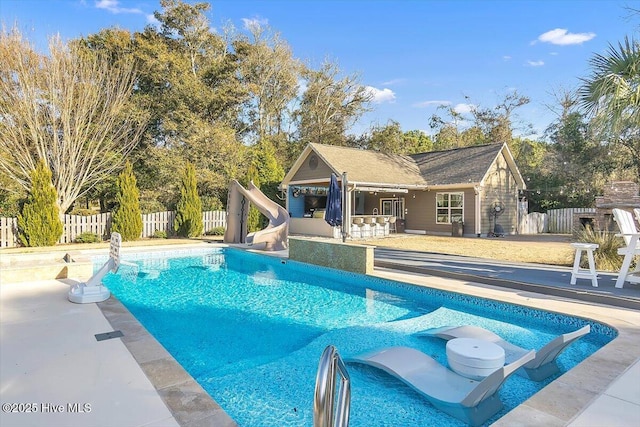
{"type": "Point", "coordinates": [545, 279]}
{"type": "Point", "coordinates": [49, 356]}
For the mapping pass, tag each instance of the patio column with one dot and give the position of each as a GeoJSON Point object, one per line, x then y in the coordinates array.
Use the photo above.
{"type": "Point", "coordinates": [346, 208]}
{"type": "Point", "coordinates": [478, 206]}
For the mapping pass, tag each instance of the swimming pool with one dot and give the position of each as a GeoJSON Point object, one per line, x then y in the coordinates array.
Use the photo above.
{"type": "Point", "coordinates": [251, 328]}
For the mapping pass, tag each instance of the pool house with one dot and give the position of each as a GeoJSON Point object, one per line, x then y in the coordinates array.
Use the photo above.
{"type": "Point", "coordinates": [471, 191]}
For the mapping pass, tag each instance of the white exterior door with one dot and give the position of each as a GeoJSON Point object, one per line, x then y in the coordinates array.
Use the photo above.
{"type": "Point", "coordinates": [392, 207]}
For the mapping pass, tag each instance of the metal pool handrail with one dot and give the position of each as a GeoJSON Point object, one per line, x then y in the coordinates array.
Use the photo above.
{"type": "Point", "coordinates": [324, 398]}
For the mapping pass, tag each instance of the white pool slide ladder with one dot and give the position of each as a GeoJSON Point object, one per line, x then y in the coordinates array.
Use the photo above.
{"type": "Point", "coordinates": [93, 290]}
{"type": "Point", "coordinates": [324, 399]}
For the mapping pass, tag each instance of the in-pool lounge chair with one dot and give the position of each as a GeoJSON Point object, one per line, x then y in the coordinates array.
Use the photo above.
{"type": "Point", "coordinates": [542, 366]}
{"type": "Point", "coordinates": [473, 402]}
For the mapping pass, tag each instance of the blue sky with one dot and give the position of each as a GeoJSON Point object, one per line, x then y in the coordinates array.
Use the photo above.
{"type": "Point", "coordinates": [414, 55]}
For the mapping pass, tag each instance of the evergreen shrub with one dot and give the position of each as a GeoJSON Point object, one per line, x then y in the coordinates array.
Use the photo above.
{"type": "Point", "coordinates": [216, 231]}
{"type": "Point", "coordinates": [39, 223]}
{"type": "Point", "coordinates": [159, 234]}
{"type": "Point", "coordinates": [9, 204]}
{"type": "Point", "coordinates": [188, 222]}
{"type": "Point", "coordinates": [211, 203]}
{"type": "Point", "coordinates": [88, 237]}
{"type": "Point", "coordinates": [83, 212]}
{"type": "Point", "coordinates": [255, 220]}
{"type": "Point", "coordinates": [148, 205]}
{"type": "Point", "coordinates": [127, 217]}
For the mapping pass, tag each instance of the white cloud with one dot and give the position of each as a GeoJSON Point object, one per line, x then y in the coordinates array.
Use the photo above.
{"type": "Point", "coordinates": [381, 95]}
{"type": "Point", "coordinates": [506, 58]}
{"type": "Point", "coordinates": [254, 23]}
{"type": "Point", "coordinates": [425, 104]}
{"type": "Point", "coordinates": [562, 36]}
{"type": "Point", "coordinates": [113, 6]}
{"type": "Point", "coordinates": [151, 20]}
{"type": "Point", "coordinates": [464, 108]}
{"type": "Point", "coordinates": [535, 63]}
{"type": "Point", "coordinates": [393, 82]}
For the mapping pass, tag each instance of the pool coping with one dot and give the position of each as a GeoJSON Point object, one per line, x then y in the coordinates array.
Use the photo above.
{"type": "Point", "coordinates": [557, 404]}
{"type": "Point", "coordinates": [188, 402]}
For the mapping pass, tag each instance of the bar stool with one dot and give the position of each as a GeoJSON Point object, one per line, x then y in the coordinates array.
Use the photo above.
{"type": "Point", "coordinates": [358, 225]}
{"type": "Point", "coordinates": [382, 222]}
{"type": "Point", "coordinates": [577, 272]}
{"type": "Point", "coordinates": [369, 225]}
{"type": "Point", "coordinates": [392, 225]}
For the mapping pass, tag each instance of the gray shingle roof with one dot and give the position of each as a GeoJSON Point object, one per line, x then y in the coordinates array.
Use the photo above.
{"type": "Point", "coordinates": [371, 166]}
{"type": "Point", "coordinates": [464, 166]}
{"type": "Point", "coordinates": [458, 166]}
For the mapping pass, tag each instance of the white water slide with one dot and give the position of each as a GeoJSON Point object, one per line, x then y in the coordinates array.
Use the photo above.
{"type": "Point", "coordinates": [274, 236]}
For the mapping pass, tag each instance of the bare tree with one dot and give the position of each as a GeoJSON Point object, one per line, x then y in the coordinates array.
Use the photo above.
{"type": "Point", "coordinates": [71, 109]}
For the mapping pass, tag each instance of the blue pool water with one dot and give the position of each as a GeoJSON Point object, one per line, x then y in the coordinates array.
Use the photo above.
{"type": "Point", "coordinates": [251, 328]}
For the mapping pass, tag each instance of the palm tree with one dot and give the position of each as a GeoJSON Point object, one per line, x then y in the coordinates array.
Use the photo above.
{"type": "Point", "coordinates": [614, 84]}
{"type": "Point", "coordinates": [611, 95]}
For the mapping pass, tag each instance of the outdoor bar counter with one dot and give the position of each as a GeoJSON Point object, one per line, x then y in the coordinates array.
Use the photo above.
{"type": "Point", "coordinates": [362, 226]}
{"type": "Point", "coordinates": [313, 225]}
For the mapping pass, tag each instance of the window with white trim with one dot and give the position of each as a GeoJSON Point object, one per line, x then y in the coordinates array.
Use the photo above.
{"type": "Point", "coordinates": [449, 207]}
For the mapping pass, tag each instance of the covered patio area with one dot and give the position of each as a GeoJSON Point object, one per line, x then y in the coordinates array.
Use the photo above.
{"type": "Point", "coordinates": [368, 211]}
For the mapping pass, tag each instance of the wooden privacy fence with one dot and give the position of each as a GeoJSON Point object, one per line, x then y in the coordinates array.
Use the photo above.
{"type": "Point", "coordinates": [100, 224]}
{"type": "Point", "coordinates": [561, 220]}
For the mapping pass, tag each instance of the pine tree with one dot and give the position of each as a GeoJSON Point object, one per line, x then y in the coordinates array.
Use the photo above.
{"type": "Point", "coordinates": [188, 222]}
{"type": "Point", "coordinates": [254, 218]}
{"type": "Point", "coordinates": [264, 160]}
{"type": "Point", "coordinates": [266, 173]}
{"type": "Point", "coordinates": [127, 217]}
{"type": "Point", "coordinates": [40, 224]}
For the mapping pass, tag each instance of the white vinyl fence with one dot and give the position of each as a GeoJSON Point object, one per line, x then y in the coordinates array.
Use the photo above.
{"type": "Point", "coordinates": [75, 225]}
{"type": "Point", "coordinates": [8, 232]}
{"type": "Point", "coordinates": [533, 223]}
{"type": "Point", "coordinates": [100, 224]}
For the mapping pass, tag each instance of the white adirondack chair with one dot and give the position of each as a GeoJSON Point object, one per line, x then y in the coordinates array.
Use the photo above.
{"type": "Point", "coordinates": [631, 236]}
{"type": "Point", "coordinates": [637, 212]}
